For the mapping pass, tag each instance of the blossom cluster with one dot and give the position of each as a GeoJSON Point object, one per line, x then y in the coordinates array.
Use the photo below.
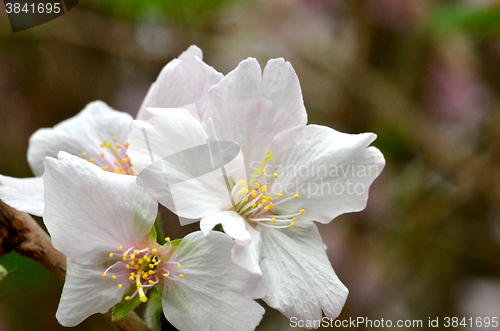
{"type": "Point", "coordinates": [226, 151]}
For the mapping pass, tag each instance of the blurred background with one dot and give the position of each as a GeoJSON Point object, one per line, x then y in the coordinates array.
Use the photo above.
{"type": "Point", "coordinates": [424, 75]}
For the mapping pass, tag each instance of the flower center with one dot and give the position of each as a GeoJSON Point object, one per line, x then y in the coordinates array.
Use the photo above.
{"type": "Point", "coordinates": [113, 158]}
{"type": "Point", "coordinates": [144, 267]}
{"type": "Point", "coordinates": [256, 201]}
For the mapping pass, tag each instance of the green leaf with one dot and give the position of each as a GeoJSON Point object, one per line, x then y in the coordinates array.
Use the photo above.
{"type": "Point", "coordinates": [124, 307]}
{"type": "Point", "coordinates": [153, 311]}
{"type": "Point", "coordinates": [160, 239]}
{"type": "Point", "coordinates": [462, 18]}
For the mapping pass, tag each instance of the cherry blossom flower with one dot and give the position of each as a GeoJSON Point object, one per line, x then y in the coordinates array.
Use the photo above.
{"type": "Point", "coordinates": [103, 223]}
{"type": "Point", "coordinates": [99, 133]}
{"type": "Point", "coordinates": [264, 202]}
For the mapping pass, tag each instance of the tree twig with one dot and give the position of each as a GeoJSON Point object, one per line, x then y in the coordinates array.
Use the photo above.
{"type": "Point", "coordinates": [20, 232]}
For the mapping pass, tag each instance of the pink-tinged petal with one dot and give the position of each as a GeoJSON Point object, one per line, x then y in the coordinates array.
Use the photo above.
{"type": "Point", "coordinates": [251, 108]}
{"type": "Point", "coordinates": [233, 224]}
{"type": "Point", "coordinates": [298, 274]}
{"type": "Point", "coordinates": [24, 194]}
{"type": "Point", "coordinates": [83, 133]}
{"type": "Point", "coordinates": [331, 171]}
{"type": "Point", "coordinates": [90, 213]}
{"type": "Point", "coordinates": [214, 294]}
{"type": "Point", "coordinates": [183, 81]}
{"type": "Point", "coordinates": [86, 292]}
{"type": "Point", "coordinates": [177, 163]}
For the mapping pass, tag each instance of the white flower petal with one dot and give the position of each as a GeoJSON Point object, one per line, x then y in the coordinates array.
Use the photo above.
{"type": "Point", "coordinates": [86, 292]}
{"type": "Point", "coordinates": [233, 224]}
{"type": "Point", "coordinates": [83, 133]}
{"type": "Point", "coordinates": [171, 131]}
{"type": "Point", "coordinates": [248, 257]}
{"type": "Point", "coordinates": [298, 274]}
{"type": "Point", "coordinates": [214, 294]}
{"type": "Point", "coordinates": [173, 160]}
{"type": "Point", "coordinates": [250, 108]}
{"type": "Point", "coordinates": [89, 212]}
{"type": "Point", "coordinates": [24, 194]}
{"type": "Point", "coordinates": [183, 81]}
{"type": "Point", "coordinates": [331, 171]}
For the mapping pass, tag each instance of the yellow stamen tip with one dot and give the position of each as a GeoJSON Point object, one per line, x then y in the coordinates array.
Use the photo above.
{"type": "Point", "coordinates": [178, 266]}
{"type": "Point", "coordinates": [128, 266]}
{"type": "Point", "coordinates": [266, 208]}
{"type": "Point", "coordinates": [292, 224]}
{"type": "Point", "coordinates": [102, 145]}
{"type": "Point", "coordinates": [271, 205]}
{"type": "Point", "coordinates": [92, 160]}
{"type": "Point", "coordinates": [153, 250]}
{"type": "Point", "coordinates": [151, 282]}
{"type": "Point", "coordinates": [102, 154]}
{"type": "Point", "coordinates": [294, 219]}
{"type": "Point", "coordinates": [273, 220]}
{"type": "Point", "coordinates": [263, 171]}
{"type": "Point", "coordinates": [280, 195]}
{"type": "Point", "coordinates": [110, 255]}
{"type": "Point", "coordinates": [258, 184]}
{"type": "Point", "coordinates": [114, 277]}
{"type": "Point", "coordinates": [84, 154]}
{"type": "Point", "coordinates": [114, 138]}
{"type": "Point", "coordinates": [167, 239]}
{"type": "Point", "coordinates": [127, 144]}
{"type": "Point", "coordinates": [275, 175]}
{"type": "Point", "coordinates": [119, 285]}
{"type": "Point", "coordinates": [139, 284]}
{"type": "Point", "coordinates": [296, 196]}
{"type": "Point", "coordinates": [121, 247]}
{"type": "Point", "coordinates": [165, 275]}
{"type": "Point", "coordinates": [302, 211]}
{"type": "Point", "coordinates": [241, 182]}
{"type": "Point", "coordinates": [118, 145]}
{"type": "Point", "coordinates": [104, 275]}
{"type": "Point", "coordinates": [181, 276]}
{"type": "Point", "coordinates": [144, 299]}
{"type": "Point", "coordinates": [127, 298]}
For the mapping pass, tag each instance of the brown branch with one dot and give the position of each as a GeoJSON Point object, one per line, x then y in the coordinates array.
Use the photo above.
{"type": "Point", "coordinates": [20, 232]}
